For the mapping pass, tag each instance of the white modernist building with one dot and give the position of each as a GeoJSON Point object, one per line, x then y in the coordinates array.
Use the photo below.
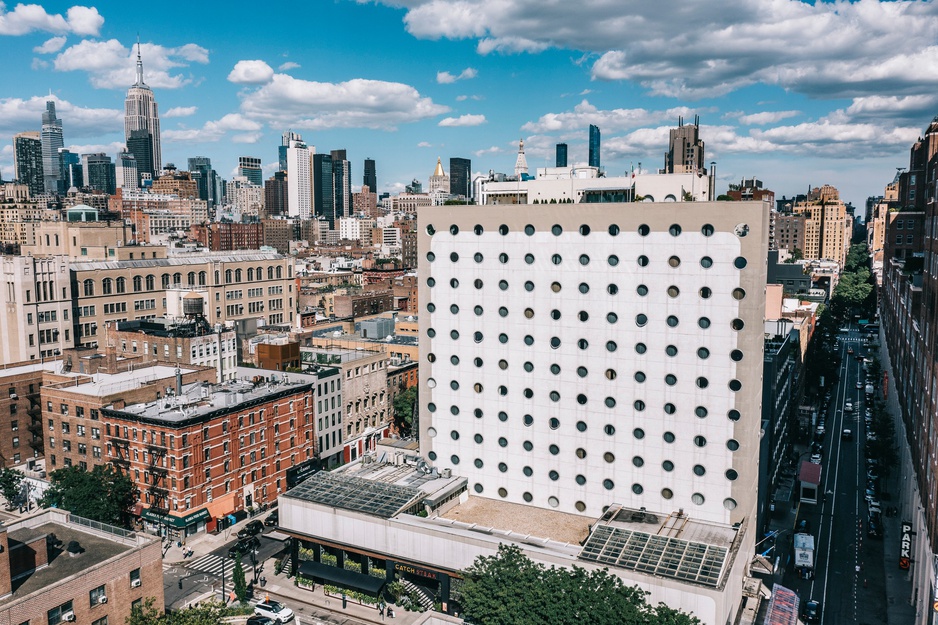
{"type": "Point", "coordinates": [299, 179]}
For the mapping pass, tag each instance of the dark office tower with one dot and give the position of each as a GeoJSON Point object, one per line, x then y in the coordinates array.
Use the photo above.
{"type": "Point", "coordinates": [100, 172]}
{"type": "Point", "coordinates": [342, 183]}
{"type": "Point", "coordinates": [140, 144]}
{"type": "Point", "coordinates": [594, 146]}
{"type": "Point", "coordinates": [200, 167]}
{"type": "Point", "coordinates": [52, 141]}
{"type": "Point", "coordinates": [288, 136]}
{"type": "Point", "coordinates": [685, 149]}
{"type": "Point", "coordinates": [323, 190]}
{"type": "Point", "coordinates": [371, 177]}
{"type": "Point", "coordinates": [460, 177]}
{"type": "Point", "coordinates": [71, 174]}
{"type": "Point", "coordinates": [561, 155]}
{"type": "Point", "coordinates": [276, 195]}
{"type": "Point", "coordinates": [27, 161]}
{"type": "Point", "coordinates": [250, 168]}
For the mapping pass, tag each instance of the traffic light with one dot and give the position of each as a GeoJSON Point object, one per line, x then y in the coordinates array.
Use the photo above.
{"type": "Point", "coordinates": [180, 583]}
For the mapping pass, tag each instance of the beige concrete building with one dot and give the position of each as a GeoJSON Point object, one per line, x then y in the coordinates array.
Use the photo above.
{"type": "Point", "coordinates": [827, 226]}
{"type": "Point", "coordinates": [90, 240]}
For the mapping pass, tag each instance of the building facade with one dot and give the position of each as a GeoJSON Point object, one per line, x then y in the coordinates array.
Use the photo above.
{"type": "Point", "coordinates": [52, 141]}
{"type": "Point", "coordinates": [141, 115]}
{"type": "Point", "coordinates": [27, 162]}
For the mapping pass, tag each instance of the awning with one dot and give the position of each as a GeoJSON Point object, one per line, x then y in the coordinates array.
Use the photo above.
{"type": "Point", "coordinates": [175, 521]}
{"type": "Point", "coordinates": [222, 505]}
{"type": "Point", "coordinates": [323, 573]}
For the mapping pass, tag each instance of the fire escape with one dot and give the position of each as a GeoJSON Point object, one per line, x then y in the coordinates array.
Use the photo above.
{"type": "Point", "coordinates": [36, 439]}
{"type": "Point", "coordinates": [159, 487]}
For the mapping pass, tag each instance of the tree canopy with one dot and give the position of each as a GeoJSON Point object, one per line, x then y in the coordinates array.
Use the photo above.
{"type": "Point", "coordinates": [206, 613]}
{"type": "Point", "coordinates": [403, 408]}
{"type": "Point", "coordinates": [510, 589]}
{"type": "Point", "coordinates": [101, 494]}
{"type": "Point", "coordinates": [11, 481]}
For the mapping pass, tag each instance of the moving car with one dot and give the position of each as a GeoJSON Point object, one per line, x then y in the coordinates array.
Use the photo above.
{"type": "Point", "coordinates": [859, 384]}
{"type": "Point", "coordinates": [850, 350]}
{"type": "Point", "coordinates": [253, 528]}
{"type": "Point", "coordinates": [274, 610]}
{"type": "Point", "coordinates": [846, 435]}
{"type": "Point", "coordinates": [811, 611]}
{"type": "Point", "coordinates": [272, 519]}
{"type": "Point", "coordinates": [243, 546]}
{"type": "Point", "coordinates": [848, 407]}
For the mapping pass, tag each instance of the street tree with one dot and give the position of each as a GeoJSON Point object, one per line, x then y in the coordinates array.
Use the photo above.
{"type": "Point", "coordinates": [11, 482]}
{"type": "Point", "coordinates": [403, 408]}
{"type": "Point", "coordinates": [240, 585]}
{"type": "Point", "coordinates": [101, 494]}
{"type": "Point", "coordinates": [206, 613]}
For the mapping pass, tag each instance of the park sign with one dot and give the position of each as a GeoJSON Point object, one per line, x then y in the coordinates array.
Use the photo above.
{"type": "Point", "coordinates": [905, 546]}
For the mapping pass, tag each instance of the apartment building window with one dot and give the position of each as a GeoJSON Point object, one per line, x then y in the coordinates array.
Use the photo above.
{"type": "Point", "coordinates": [96, 452]}
{"type": "Point", "coordinates": [55, 615]}
{"type": "Point", "coordinates": [16, 442]}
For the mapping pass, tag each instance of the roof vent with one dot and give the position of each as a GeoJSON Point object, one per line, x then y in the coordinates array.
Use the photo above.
{"type": "Point", "coordinates": [74, 548]}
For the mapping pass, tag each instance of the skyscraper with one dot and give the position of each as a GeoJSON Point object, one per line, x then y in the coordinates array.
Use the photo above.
{"type": "Point", "coordinates": [140, 144]}
{"type": "Point", "coordinates": [99, 172]}
{"type": "Point", "coordinates": [250, 168]}
{"type": "Point", "coordinates": [594, 146]}
{"type": "Point", "coordinates": [71, 173]}
{"type": "Point", "coordinates": [561, 155]}
{"type": "Point", "coordinates": [685, 149]}
{"type": "Point", "coordinates": [27, 161]}
{"type": "Point", "coordinates": [142, 114]}
{"type": "Point", "coordinates": [299, 178]}
{"type": "Point", "coordinates": [370, 178]}
{"type": "Point", "coordinates": [342, 183]}
{"type": "Point", "coordinates": [460, 177]}
{"type": "Point", "coordinates": [52, 141]}
{"type": "Point", "coordinates": [276, 193]}
{"type": "Point", "coordinates": [288, 136]}
{"type": "Point", "coordinates": [323, 189]}
{"type": "Point", "coordinates": [126, 172]}
{"type": "Point", "coordinates": [200, 168]}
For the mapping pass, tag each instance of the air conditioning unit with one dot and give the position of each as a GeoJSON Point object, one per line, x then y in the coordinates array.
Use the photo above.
{"type": "Point", "coordinates": [14, 396]}
{"type": "Point", "coordinates": [135, 584]}
{"type": "Point", "coordinates": [102, 599]}
{"type": "Point", "coordinates": [68, 616]}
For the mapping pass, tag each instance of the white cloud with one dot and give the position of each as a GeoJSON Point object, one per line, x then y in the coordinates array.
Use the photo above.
{"type": "Point", "coordinates": [51, 45]}
{"type": "Point", "coordinates": [111, 148]}
{"type": "Point", "coordinates": [462, 120]}
{"type": "Point", "coordinates": [180, 111]}
{"type": "Point", "coordinates": [288, 65]}
{"type": "Point", "coordinates": [110, 65]}
{"type": "Point", "coordinates": [251, 73]}
{"type": "Point", "coordinates": [424, 144]}
{"type": "Point", "coordinates": [492, 150]}
{"type": "Point", "coordinates": [247, 137]}
{"type": "Point", "coordinates": [445, 78]}
{"type": "Point", "coordinates": [358, 103]}
{"type": "Point", "coordinates": [216, 130]}
{"type": "Point", "coordinates": [78, 121]}
{"type": "Point", "coordinates": [26, 18]}
{"type": "Point", "coordinates": [463, 98]}
{"type": "Point", "coordinates": [767, 117]}
{"type": "Point", "coordinates": [584, 114]}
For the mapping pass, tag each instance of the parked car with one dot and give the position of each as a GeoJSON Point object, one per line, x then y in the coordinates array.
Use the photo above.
{"type": "Point", "coordinates": [811, 611]}
{"type": "Point", "coordinates": [243, 546]}
{"type": "Point", "coordinates": [260, 620]}
{"type": "Point", "coordinates": [846, 435]}
{"type": "Point", "coordinates": [274, 610]}
{"type": "Point", "coordinates": [816, 458]}
{"type": "Point", "coordinates": [804, 526]}
{"type": "Point", "coordinates": [253, 528]}
{"type": "Point", "coordinates": [850, 351]}
{"type": "Point", "coordinates": [872, 502]}
{"type": "Point", "coordinates": [272, 519]}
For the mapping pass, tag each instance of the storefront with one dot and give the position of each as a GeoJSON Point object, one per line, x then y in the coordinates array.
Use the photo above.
{"type": "Point", "coordinates": [175, 527]}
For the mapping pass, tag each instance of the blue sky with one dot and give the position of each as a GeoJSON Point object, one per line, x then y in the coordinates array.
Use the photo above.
{"type": "Point", "coordinates": [793, 93]}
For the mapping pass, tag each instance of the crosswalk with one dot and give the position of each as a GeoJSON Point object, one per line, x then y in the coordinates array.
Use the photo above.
{"type": "Point", "coordinates": [211, 564]}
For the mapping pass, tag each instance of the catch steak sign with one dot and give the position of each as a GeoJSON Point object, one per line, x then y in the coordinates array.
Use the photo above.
{"type": "Point", "coordinates": [905, 546]}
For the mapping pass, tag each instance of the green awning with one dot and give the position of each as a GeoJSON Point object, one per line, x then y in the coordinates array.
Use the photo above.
{"type": "Point", "coordinates": [325, 574]}
{"type": "Point", "coordinates": [175, 521]}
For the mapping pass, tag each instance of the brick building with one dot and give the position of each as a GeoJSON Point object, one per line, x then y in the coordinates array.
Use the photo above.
{"type": "Point", "coordinates": [21, 431]}
{"type": "Point", "coordinates": [226, 237]}
{"type": "Point", "coordinates": [904, 234]}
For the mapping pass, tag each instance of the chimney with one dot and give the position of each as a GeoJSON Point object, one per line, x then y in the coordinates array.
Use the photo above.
{"type": "Point", "coordinates": [118, 404]}
{"type": "Point", "coordinates": [178, 382]}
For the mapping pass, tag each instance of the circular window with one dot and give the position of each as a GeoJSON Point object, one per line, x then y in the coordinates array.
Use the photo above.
{"type": "Point", "coordinates": [637, 489]}
{"type": "Point", "coordinates": [527, 497]}
{"type": "Point", "coordinates": [674, 230]}
{"type": "Point", "coordinates": [528, 420]}
{"type": "Point", "coordinates": [528, 366]}
{"type": "Point", "coordinates": [672, 321]}
{"type": "Point", "coordinates": [700, 411]}
{"type": "Point", "coordinates": [706, 230]}
{"type": "Point", "coordinates": [697, 498]}
{"type": "Point", "coordinates": [431, 332]}
{"type": "Point", "coordinates": [736, 355]}
{"type": "Point", "coordinates": [503, 230]}
{"type": "Point", "coordinates": [613, 260]}
{"type": "Point", "coordinates": [673, 291]}
{"type": "Point", "coordinates": [555, 369]}
{"type": "Point", "coordinates": [639, 376]}
{"type": "Point", "coordinates": [705, 292]}
{"type": "Point", "coordinates": [667, 493]}
{"type": "Point", "coordinates": [703, 323]}
{"type": "Point", "coordinates": [555, 287]}
{"type": "Point", "coordinates": [731, 474]}
{"type": "Point", "coordinates": [431, 256]}
{"type": "Point", "coordinates": [431, 282]}
{"type": "Point", "coordinates": [431, 407]}
{"type": "Point", "coordinates": [740, 262]}
{"type": "Point", "coordinates": [553, 475]}
{"type": "Point", "coordinates": [584, 259]}
{"type": "Point", "coordinates": [733, 415]}
{"type": "Point", "coordinates": [700, 441]}
{"type": "Point", "coordinates": [503, 390]}
{"type": "Point", "coordinates": [454, 359]}
{"type": "Point", "coordinates": [528, 340]}
{"type": "Point", "coordinates": [612, 317]}
{"type": "Point", "coordinates": [454, 283]}
{"type": "Point", "coordinates": [454, 229]}
{"type": "Point", "coordinates": [478, 257]}
{"type": "Point", "coordinates": [454, 410]}
{"type": "Point", "coordinates": [706, 262]}
{"type": "Point", "coordinates": [703, 353]}
{"type": "Point", "coordinates": [478, 311]}
{"type": "Point", "coordinates": [581, 480]}
{"type": "Point", "coordinates": [528, 286]}
{"type": "Point", "coordinates": [529, 259]}
{"type": "Point", "coordinates": [528, 471]}
{"type": "Point", "coordinates": [502, 364]}
{"type": "Point", "coordinates": [431, 230]}
{"type": "Point", "coordinates": [702, 382]}
{"type": "Point", "coordinates": [674, 261]}
{"type": "Point", "coordinates": [670, 408]}
{"type": "Point", "coordinates": [554, 450]}
{"type": "Point", "coordinates": [431, 307]}
{"type": "Point", "coordinates": [608, 484]}
{"type": "Point", "coordinates": [638, 461]}
{"type": "Point", "coordinates": [739, 294]}
{"type": "Point", "coordinates": [735, 385]}
{"type": "Point", "coordinates": [581, 426]}
{"type": "Point", "coordinates": [583, 315]}
{"type": "Point", "coordinates": [610, 402]}
{"type": "Point", "coordinates": [742, 230]}
{"type": "Point", "coordinates": [502, 441]}
{"type": "Point", "coordinates": [477, 283]}
{"type": "Point", "coordinates": [555, 314]}
{"type": "Point", "coordinates": [528, 313]}
{"type": "Point", "coordinates": [431, 455]}
{"type": "Point", "coordinates": [737, 324]}
{"type": "Point", "coordinates": [554, 342]}
{"type": "Point", "coordinates": [477, 361]}
{"type": "Point", "coordinates": [503, 258]}
{"type": "Point", "coordinates": [671, 350]}
{"type": "Point", "coordinates": [667, 465]}
{"type": "Point", "coordinates": [556, 259]}
{"type": "Point", "coordinates": [556, 230]}
{"type": "Point", "coordinates": [502, 467]}
{"type": "Point", "coordinates": [614, 230]}
{"type": "Point", "coordinates": [454, 334]}
{"type": "Point", "coordinates": [478, 414]}
{"type": "Point", "coordinates": [553, 502]}
{"type": "Point", "coordinates": [502, 492]}
{"type": "Point", "coordinates": [644, 230]}
{"type": "Point", "coordinates": [609, 430]}
{"type": "Point", "coordinates": [612, 289]}
{"type": "Point", "coordinates": [454, 257]}
{"type": "Point", "coordinates": [584, 287]}
{"type": "Point", "coordinates": [431, 357]}
{"type": "Point", "coordinates": [503, 285]}
{"type": "Point", "coordinates": [554, 423]}
{"type": "Point", "coordinates": [479, 464]}
{"type": "Point", "coordinates": [476, 336]}
{"type": "Point", "coordinates": [529, 230]}
{"type": "Point", "coordinates": [611, 346]}
{"type": "Point", "coordinates": [554, 396]}
{"type": "Point", "coordinates": [668, 437]}
{"type": "Point", "coordinates": [732, 445]}
{"type": "Point", "coordinates": [478, 387]}
{"type": "Point", "coordinates": [640, 348]}
{"type": "Point", "coordinates": [642, 261]}
{"type": "Point", "coordinates": [638, 404]}
{"type": "Point", "coordinates": [502, 311]}
{"type": "Point", "coordinates": [582, 371]}
{"type": "Point", "coordinates": [609, 457]}
{"type": "Point", "coordinates": [699, 469]}
{"type": "Point", "coordinates": [454, 309]}
{"type": "Point", "coordinates": [638, 433]}
{"type": "Point", "coordinates": [478, 488]}
{"type": "Point", "coordinates": [729, 503]}
{"type": "Point", "coordinates": [454, 385]}
{"type": "Point", "coordinates": [584, 230]}
{"type": "Point", "coordinates": [641, 320]}
{"type": "Point", "coordinates": [670, 379]}
{"type": "Point", "coordinates": [454, 459]}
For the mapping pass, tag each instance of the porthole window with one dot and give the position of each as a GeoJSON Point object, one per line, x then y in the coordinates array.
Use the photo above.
{"type": "Point", "coordinates": [555, 369]}
{"type": "Point", "coordinates": [503, 285]}
{"type": "Point", "coordinates": [477, 387]}
{"type": "Point", "coordinates": [674, 261]}
{"type": "Point", "coordinates": [502, 441]}
{"type": "Point", "coordinates": [674, 230]}
{"type": "Point", "coordinates": [502, 416]}
{"type": "Point", "coordinates": [528, 471]}
{"type": "Point", "coordinates": [503, 390]}
{"type": "Point", "coordinates": [638, 461]}
{"type": "Point", "coordinates": [554, 396]}
{"type": "Point", "coordinates": [431, 282]}
{"type": "Point", "coordinates": [706, 262]}
{"type": "Point", "coordinates": [553, 475]}
{"type": "Point", "coordinates": [673, 291]}
{"type": "Point", "coordinates": [554, 450]}
{"type": "Point", "coordinates": [667, 465]}
{"type": "Point", "coordinates": [584, 287]}
{"type": "Point", "coordinates": [529, 259]}
{"type": "Point", "coordinates": [503, 258]}
{"type": "Point", "coordinates": [454, 283]}
{"type": "Point", "coordinates": [639, 405]}
{"type": "Point", "coordinates": [608, 484]}
{"type": "Point", "coordinates": [454, 410]}
{"type": "Point", "coordinates": [431, 407]}
{"type": "Point", "coordinates": [582, 371]}
{"type": "Point", "coordinates": [529, 340]}
{"type": "Point", "coordinates": [555, 314]}
{"type": "Point", "coordinates": [637, 489]}
{"type": "Point", "coordinates": [431, 455]}
{"type": "Point", "coordinates": [553, 502]}
{"type": "Point", "coordinates": [667, 493]}
{"type": "Point", "coordinates": [644, 230]}
{"type": "Point", "coordinates": [528, 286]}
{"type": "Point", "coordinates": [454, 359]}
{"type": "Point", "coordinates": [731, 475]}
{"type": "Point", "coordinates": [613, 230]}
{"type": "Point", "coordinates": [642, 290]}
{"type": "Point", "coordinates": [431, 307]}
{"type": "Point", "coordinates": [431, 332]}
{"type": "Point", "coordinates": [454, 459]}
{"type": "Point", "coordinates": [610, 402]}
{"type": "Point", "coordinates": [454, 385]}
{"type": "Point", "coordinates": [478, 462]}
{"type": "Point", "coordinates": [732, 445]}
{"type": "Point", "coordinates": [668, 437]}
{"type": "Point", "coordinates": [555, 287]}
{"type": "Point", "coordinates": [705, 292]}
{"type": "Point", "coordinates": [529, 230]}
{"type": "Point", "coordinates": [556, 259]}
{"type": "Point", "coordinates": [477, 283]}
{"type": "Point", "coordinates": [528, 393]}
{"type": "Point", "coordinates": [477, 229]}
{"type": "Point", "coordinates": [431, 230]}
{"type": "Point", "coordinates": [700, 411]}
{"type": "Point", "coordinates": [670, 408]}
{"type": "Point", "coordinates": [638, 433]}
{"type": "Point", "coordinates": [584, 259]}
{"type": "Point", "coordinates": [735, 385]}
{"type": "Point", "coordinates": [477, 361]}
{"type": "Point", "coordinates": [642, 261]}
{"type": "Point", "coordinates": [733, 415]}
{"type": "Point", "coordinates": [554, 342]}
{"type": "Point", "coordinates": [639, 376]}
{"type": "Point", "coordinates": [478, 488]}
{"type": "Point", "coordinates": [699, 470]}
{"type": "Point", "coordinates": [478, 257]}
{"type": "Point", "coordinates": [528, 313]}
{"type": "Point", "coordinates": [672, 321]}
{"type": "Point", "coordinates": [527, 497]}
{"type": "Point", "coordinates": [612, 317]}
{"type": "Point", "coordinates": [583, 344]}
{"type": "Point", "coordinates": [641, 320]}
{"type": "Point", "coordinates": [729, 503]}
{"type": "Point", "coordinates": [556, 230]}
{"type": "Point", "coordinates": [697, 498]}
{"type": "Point", "coordinates": [454, 257]}
{"type": "Point", "coordinates": [581, 480]}
{"type": "Point", "coordinates": [503, 230]}
{"type": "Point", "coordinates": [584, 230]}
{"type": "Point", "coordinates": [612, 289]}
{"type": "Point", "coordinates": [502, 467]}
{"type": "Point", "coordinates": [700, 441]}
{"type": "Point", "coordinates": [476, 336]}
{"type": "Point", "coordinates": [454, 309]}
{"type": "Point", "coordinates": [478, 310]}
{"type": "Point", "coordinates": [583, 315]}
{"type": "Point", "coordinates": [702, 382]}
{"type": "Point", "coordinates": [640, 348]}
{"type": "Point", "coordinates": [502, 311]}
{"type": "Point", "coordinates": [703, 353]}
{"type": "Point", "coordinates": [740, 262]}
{"type": "Point", "coordinates": [431, 256]}
{"type": "Point", "coordinates": [671, 350]}
{"type": "Point", "coordinates": [580, 453]}
{"type": "Point", "coordinates": [454, 229]}
{"type": "Point", "coordinates": [502, 364]}
{"type": "Point", "coordinates": [502, 492]}
{"type": "Point", "coordinates": [609, 429]}
{"type": "Point", "coordinates": [581, 426]}
{"type": "Point", "coordinates": [529, 366]}
{"type": "Point", "coordinates": [528, 420]}
{"type": "Point", "coordinates": [478, 414]}
{"type": "Point", "coordinates": [736, 355]}
{"type": "Point", "coordinates": [706, 230]}
{"type": "Point", "coordinates": [613, 260]}
{"type": "Point", "coordinates": [554, 423]}
{"type": "Point", "coordinates": [737, 324]}
{"type": "Point", "coordinates": [670, 379]}
{"type": "Point", "coordinates": [739, 294]}
{"type": "Point", "coordinates": [454, 334]}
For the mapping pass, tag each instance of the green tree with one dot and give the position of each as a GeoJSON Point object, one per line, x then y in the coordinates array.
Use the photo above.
{"type": "Point", "coordinates": [725, 198]}
{"type": "Point", "coordinates": [206, 613]}
{"type": "Point", "coordinates": [10, 482]}
{"type": "Point", "coordinates": [240, 585]}
{"type": "Point", "coordinates": [403, 408]}
{"type": "Point", "coordinates": [510, 589]}
{"type": "Point", "coordinates": [101, 494]}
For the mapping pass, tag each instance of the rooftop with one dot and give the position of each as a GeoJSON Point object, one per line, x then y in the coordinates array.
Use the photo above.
{"type": "Point", "coordinates": [521, 519]}
{"type": "Point", "coordinates": [103, 384]}
{"type": "Point", "coordinates": [347, 492]}
{"type": "Point", "coordinates": [189, 259]}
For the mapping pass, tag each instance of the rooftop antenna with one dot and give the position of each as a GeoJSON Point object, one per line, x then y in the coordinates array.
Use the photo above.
{"type": "Point", "coordinates": [139, 63]}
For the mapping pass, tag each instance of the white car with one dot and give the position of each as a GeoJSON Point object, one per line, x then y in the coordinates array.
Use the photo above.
{"type": "Point", "coordinates": [848, 407]}
{"type": "Point", "coordinates": [816, 458]}
{"type": "Point", "coordinates": [274, 610]}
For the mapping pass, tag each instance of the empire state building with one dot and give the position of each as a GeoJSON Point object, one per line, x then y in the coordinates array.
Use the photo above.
{"type": "Point", "coordinates": [142, 124]}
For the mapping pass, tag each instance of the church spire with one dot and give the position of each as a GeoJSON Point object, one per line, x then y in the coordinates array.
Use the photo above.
{"type": "Point", "coordinates": [139, 66]}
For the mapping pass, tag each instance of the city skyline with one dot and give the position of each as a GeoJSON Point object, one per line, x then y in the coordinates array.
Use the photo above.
{"type": "Point", "coordinates": [434, 80]}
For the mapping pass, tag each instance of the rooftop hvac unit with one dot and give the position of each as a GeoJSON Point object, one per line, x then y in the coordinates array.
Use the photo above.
{"type": "Point", "coordinates": [446, 473]}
